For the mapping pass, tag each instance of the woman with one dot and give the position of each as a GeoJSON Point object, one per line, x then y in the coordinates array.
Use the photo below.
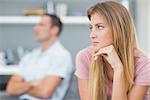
{"type": "Point", "coordinates": [113, 68]}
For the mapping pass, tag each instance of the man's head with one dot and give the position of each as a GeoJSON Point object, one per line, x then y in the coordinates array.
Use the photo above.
{"type": "Point", "coordinates": [49, 27]}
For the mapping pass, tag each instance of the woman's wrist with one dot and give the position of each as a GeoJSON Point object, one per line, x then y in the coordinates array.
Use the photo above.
{"type": "Point", "coordinates": [118, 68]}
{"type": "Point", "coordinates": [118, 74]}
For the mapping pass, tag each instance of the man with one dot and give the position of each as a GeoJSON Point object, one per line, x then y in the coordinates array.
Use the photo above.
{"type": "Point", "coordinates": [45, 72]}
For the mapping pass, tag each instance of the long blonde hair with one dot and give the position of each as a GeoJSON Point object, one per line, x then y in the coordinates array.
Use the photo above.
{"type": "Point", "coordinates": [124, 41]}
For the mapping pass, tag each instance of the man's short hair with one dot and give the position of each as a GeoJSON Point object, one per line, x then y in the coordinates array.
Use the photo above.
{"type": "Point", "coordinates": [55, 21]}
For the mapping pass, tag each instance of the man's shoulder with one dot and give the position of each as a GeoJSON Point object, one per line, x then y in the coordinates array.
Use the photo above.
{"type": "Point", "coordinates": [64, 53]}
{"type": "Point", "coordinates": [32, 52]}
{"type": "Point", "coordinates": [61, 51]}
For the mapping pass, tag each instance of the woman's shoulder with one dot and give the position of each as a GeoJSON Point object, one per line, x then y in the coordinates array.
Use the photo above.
{"type": "Point", "coordinates": [86, 52]}
{"type": "Point", "coordinates": [83, 59]}
{"type": "Point", "coordinates": [142, 68]}
{"type": "Point", "coordinates": [141, 58]}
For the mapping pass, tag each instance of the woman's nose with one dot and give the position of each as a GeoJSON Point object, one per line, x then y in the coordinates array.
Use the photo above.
{"type": "Point", "coordinates": [93, 34]}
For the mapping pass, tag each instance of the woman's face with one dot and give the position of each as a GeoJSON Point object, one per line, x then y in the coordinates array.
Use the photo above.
{"type": "Point", "coordinates": [101, 33]}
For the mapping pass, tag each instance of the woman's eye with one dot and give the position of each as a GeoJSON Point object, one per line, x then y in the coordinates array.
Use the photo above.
{"type": "Point", "coordinates": [100, 27]}
{"type": "Point", "coordinates": [90, 27]}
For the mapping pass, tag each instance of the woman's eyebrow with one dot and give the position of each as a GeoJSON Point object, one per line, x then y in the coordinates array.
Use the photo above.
{"type": "Point", "coordinates": [99, 24]}
{"type": "Point", "coordinates": [96, 24]}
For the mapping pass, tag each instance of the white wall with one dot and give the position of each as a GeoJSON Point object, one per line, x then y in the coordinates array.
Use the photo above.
{"type": "Point", "coordinates": [143, 23]}
{"type": "Point", "coordinates": [148, 26]}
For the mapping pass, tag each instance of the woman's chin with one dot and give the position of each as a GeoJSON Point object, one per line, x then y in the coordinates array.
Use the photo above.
{"type": "Point", "coordinates": [95, 48]}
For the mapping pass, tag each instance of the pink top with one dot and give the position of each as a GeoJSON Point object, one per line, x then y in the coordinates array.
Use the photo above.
{"type": "Point", "coordinates": [142, 64]}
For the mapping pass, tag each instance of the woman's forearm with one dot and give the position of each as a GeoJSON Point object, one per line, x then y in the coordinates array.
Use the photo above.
{"type": "Point", "coordinates": [119, 91]}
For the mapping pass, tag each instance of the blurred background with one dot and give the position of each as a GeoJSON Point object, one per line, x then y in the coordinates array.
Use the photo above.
{"type": "Point", "coordinates": [18, 17]}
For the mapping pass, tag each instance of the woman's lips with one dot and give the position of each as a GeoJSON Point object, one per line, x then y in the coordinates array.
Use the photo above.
{"type": "Point", "coordinates": [94, 43]}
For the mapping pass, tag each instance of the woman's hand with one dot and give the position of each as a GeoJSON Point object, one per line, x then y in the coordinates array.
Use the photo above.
{"type": "Point", "coordinates": [111, 56]}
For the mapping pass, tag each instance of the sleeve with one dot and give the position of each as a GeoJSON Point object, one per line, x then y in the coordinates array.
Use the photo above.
{"type": "Point", "coordinates": [143, 73]}
{"type": "Point", "coordinates": [62, 66]}
{"type": "Point", "coordinates": [82, 65]}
